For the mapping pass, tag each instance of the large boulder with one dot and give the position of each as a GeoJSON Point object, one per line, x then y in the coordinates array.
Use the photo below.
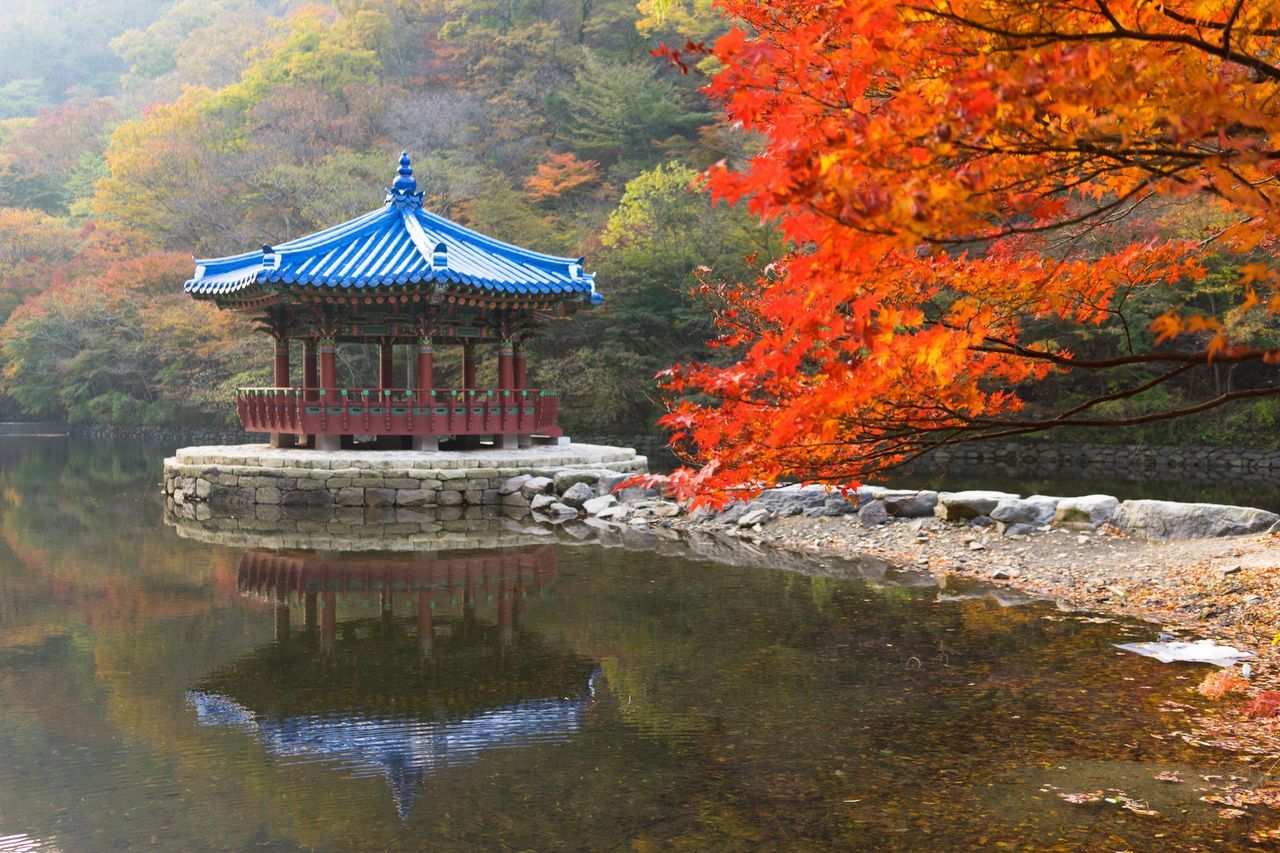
{"type": "Point", "coordinates": [513, 485]}
{"type": "Point", "coordinates": [791, 500]}
{"type": "Point", "coordinates": [962, 506]}
{"type": "Point", "coordinates": [578, 494]}
{"type": "Point", "coordinates": [535, 486]}
{"type": "Point", "coordinates": [566, 479]}
{"type": "Point", "coordinates": [1169, 520]}
{"type": "Point", "coordinates": [1034, 510]}
{"type": "Point", "coordinates": [1085, 513]}
{"type": "Point", "coordinates": [595, 506]}
{"type": "Point", "coordinates": [873, 514]}
{"type": "Point", "coordinates": [905, 503]}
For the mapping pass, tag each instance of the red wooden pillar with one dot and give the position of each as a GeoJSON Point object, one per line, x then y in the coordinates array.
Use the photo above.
{"type": "Point", "coordinates": [519, 367]}
{"type": "Point", "coordinates": [468, 364]}
{"type": "Point", "coordinates": [506, 366]}
{"type": "Point", "coordinates": [329, 384]}
{"type": "Point", "coordinates": [310, 378]}
{"type": "Point", "coordinates": [426, 364]}
{"type": "Point", "coordinates": [328, 365]}
{"type": "Point", "coordinates": [386, 366]}
{"type": "Point", "coordinates": [282, 363]}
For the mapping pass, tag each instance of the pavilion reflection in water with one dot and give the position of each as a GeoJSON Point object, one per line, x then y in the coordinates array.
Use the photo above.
{"type": "Point", "coordinates": [402, 667]}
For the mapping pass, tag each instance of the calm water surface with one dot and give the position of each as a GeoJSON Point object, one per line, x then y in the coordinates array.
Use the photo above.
{"type": "Point", "coordinates": [157, 692]}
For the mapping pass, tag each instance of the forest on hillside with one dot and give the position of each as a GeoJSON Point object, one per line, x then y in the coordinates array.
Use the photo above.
{"type": "Point", "coordinates": [171, 128]}
{"type": "Point", "coordinates": [135, 134]}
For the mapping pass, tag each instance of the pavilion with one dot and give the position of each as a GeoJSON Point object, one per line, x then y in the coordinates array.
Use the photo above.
{"type": "Point", "coordinates": [398, 276]}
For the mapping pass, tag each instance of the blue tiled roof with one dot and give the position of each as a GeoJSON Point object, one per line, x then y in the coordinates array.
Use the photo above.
{"type": "Point", "coordinates": [398, 244]}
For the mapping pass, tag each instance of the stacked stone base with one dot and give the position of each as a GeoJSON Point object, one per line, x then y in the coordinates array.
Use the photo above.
{"type": "Point", "coordinates": [199, 481]}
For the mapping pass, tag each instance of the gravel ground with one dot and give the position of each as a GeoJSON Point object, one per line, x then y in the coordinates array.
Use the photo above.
{"type": "Point", "coordinates": [1226, 589]}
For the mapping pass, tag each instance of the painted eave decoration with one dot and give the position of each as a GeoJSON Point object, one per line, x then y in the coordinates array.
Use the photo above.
{"type": "Point", "coordinates": [398, 245]}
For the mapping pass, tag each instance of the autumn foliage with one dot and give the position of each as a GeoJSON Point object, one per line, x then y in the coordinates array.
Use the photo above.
{"type": "Point", "coordinates": [960, 181]}
{"type": "Point", "coordinates": [1218, 684]}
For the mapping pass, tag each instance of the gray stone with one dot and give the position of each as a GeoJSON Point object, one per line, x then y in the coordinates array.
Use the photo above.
{"type": "Point", "coordinates": [754, 517]}
{"type": "Point", "coordinates": [266, 495]}
{"type": "Point", "coordinates": [873, 514]}
{"type": "Point", "coordinates": [449, 497]}
{"type": "Point", "coordinates": [415, 497]}
{"type": "Point", "coordinates": [1169, 520]}
{"type": "Point", "coordinates": [565, 480]}
{"type": "Point", "coordinates": [1034, 510]}
{"type": "Point", "coordinates": [515, 500]}
{"type": "Point", "coordinates": [1019, 529]}
{"type": "Point", "coordinates": [511, 486]}
{"type": "Point", "coordinates": [203, 487]}
{"type": "Point", "coordinates": [578, 494]}
{"type": "Point", "coordinates": [541, 502]}
{"type": "Point", "coordinates": [307, 497]}
{"type": "Point", "coordinates": [617, 512]}
{"type": "Point", "coordinates": [380, 497]}
{"type": "Point", "coordinates": [908, 504]}
{"type": "Point", "coordinates": [560, 511]}
{"type": "Point", "coordinates": [666, 509]}
{"type": "Point", "coordinates": [610, 480]}
{"type": "Point", "coordinates": [351, 496]}
{"type": "Point", "coordinates": [536, 486]}
{"type": "Point", "coordinates": [633, 494]}
{"type": "Point", "coordinates": [594, 506]}
{"type": "Point", "coordinates": [1085, 513]}
{"type": "Point", "coordinates": [962, 506]}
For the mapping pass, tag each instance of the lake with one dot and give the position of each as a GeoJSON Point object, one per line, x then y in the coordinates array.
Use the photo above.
{"type": "Point", "coordinates": [164, 693]}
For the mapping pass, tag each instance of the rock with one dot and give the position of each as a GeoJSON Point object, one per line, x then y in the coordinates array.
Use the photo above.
{"type": "Point", "coordinates": [1085, 513]}
{"type": "Point", "coordinates": [666, 509]}
{"type": "Point", "coordinates": [961, 506]}
{"type": "Point", "coordinates": [449, 497]}
{"type": "Point", "coordinates": [975, 545]}
{"type": "Point", "coordinates": [873, 514]}
{"type": "Point", "coordinates": [633, 494]}
{"type": "Point", "coordinates": [788, 501]}
{"type": "Point", "coordinates": [565, 480]}
{"type": "Point", "coordinates": [535, 486]}
{"type": "Point", "coordinates": [1019, 529]}
{"type": "Point", "coordinates": [559, 511]}
{"type": "Point", "coordinates": [1034, 510]}
{"type": "Point", "coordinates": [578, 494]}
{"type": "Point", "coordinates": [541, 502]}
{"type": "Point", "coordinates": [617, 512]}
{"type": "Point", "coordinates": [610, 480]}
{"type": "Point", "coordinates": [733, 512]}
{"type": "Point", "coordinates": [308, 497]}
{"type": "Point", "coordinates": [515, 500]}
{"type": "Point", "coordinates": [1169, 520]}
{"type": "Point", "coordinates": [596, 505]}
{"type": "Point", "coordinates": [982, 521]}
{"type": "Point", "coordinates": [908, 504]}
{"type": "Point", "coordinates": [754, 517]}
{"type": "Point", "coordinates": [510, 487]}
{"type": "Point", "coordinates": [379, 497]}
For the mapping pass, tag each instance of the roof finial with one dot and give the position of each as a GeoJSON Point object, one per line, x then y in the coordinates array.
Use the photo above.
{"type": "Point", "coordinates": [404, 175]}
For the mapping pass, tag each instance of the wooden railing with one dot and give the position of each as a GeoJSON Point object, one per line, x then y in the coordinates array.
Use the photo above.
{"type": "Point", "coordinates": [399, 411]}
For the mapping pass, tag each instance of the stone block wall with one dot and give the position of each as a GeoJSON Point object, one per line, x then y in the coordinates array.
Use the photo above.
{"type": "Point", "coordinates": [252, 475]}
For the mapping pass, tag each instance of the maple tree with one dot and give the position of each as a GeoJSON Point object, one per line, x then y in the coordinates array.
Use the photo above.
{"type": "Point", "coordinates": [959, 180]}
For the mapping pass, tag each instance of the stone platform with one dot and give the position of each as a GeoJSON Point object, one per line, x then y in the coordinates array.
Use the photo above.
{"type": "Point", "coordinates": [204, 479]}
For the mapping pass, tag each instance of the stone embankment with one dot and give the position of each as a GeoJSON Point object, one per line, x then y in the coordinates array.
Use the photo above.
{"type": "Point", "coordinates": [212, 479]}
{"type": "Point", "coordinates": [1002, 513]}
